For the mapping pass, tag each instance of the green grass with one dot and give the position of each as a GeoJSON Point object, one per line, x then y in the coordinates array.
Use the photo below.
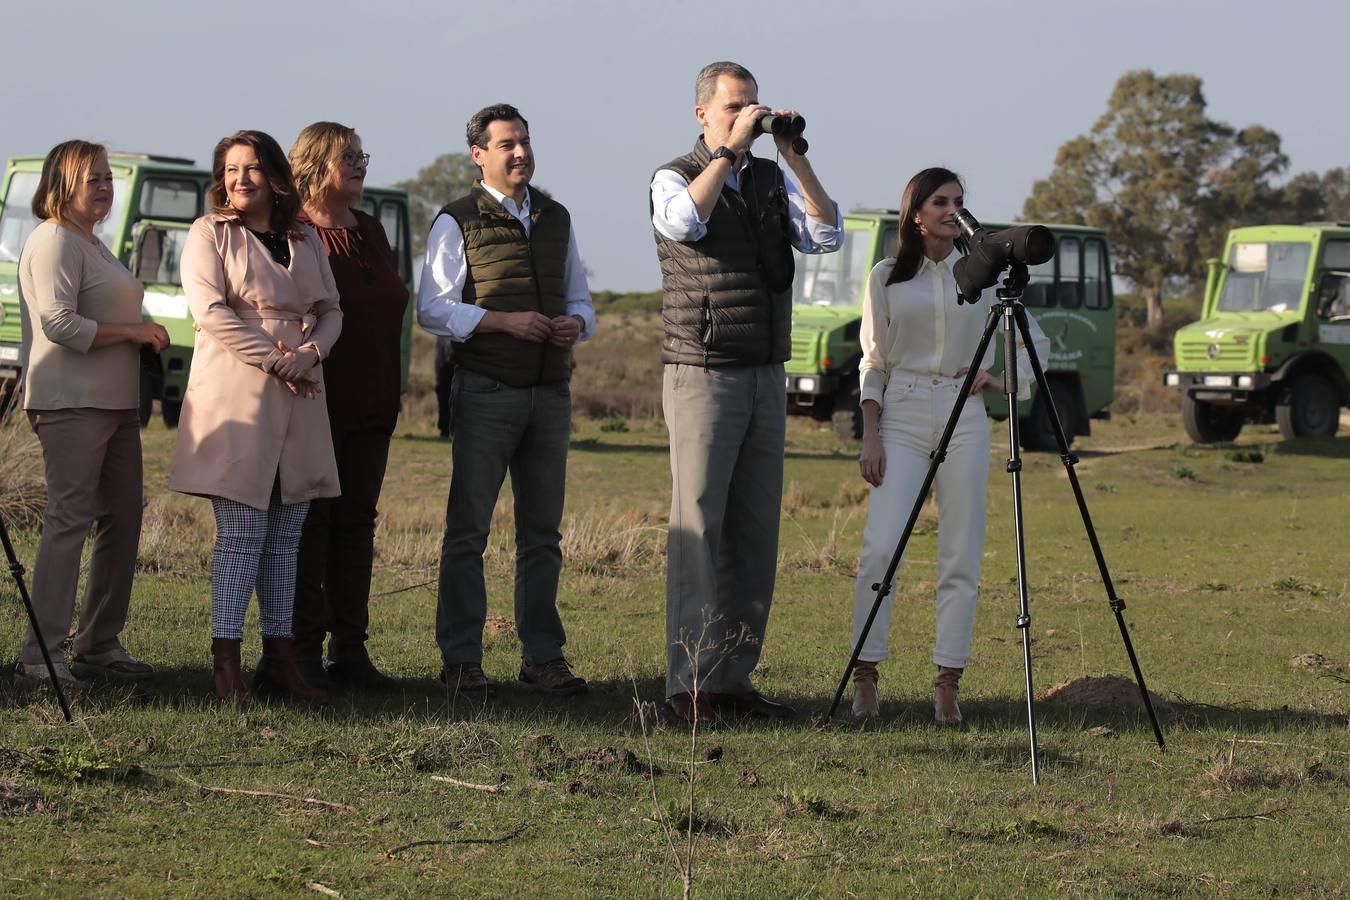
{"type": "Point", "coordinates": [1230, 571]}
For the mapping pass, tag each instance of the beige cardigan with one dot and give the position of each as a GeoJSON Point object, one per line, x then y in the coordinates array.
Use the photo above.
{"type": "Point", "coordinates": [69, 286]}
{"type": "Point", "coordinates": [241, 427]}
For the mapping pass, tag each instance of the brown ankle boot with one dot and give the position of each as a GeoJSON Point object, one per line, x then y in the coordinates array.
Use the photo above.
{"type": "Point", "coordinates": [282, 676]}
{"type": "Point", "coordinates": [229, 681]}
{"type": "Point", "coordinates": [866, 699]}
{"type": "Point", "coordinates": [945, 710]}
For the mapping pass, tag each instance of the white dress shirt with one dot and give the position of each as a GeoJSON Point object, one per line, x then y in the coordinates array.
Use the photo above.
{"type": "Point", "coordinates": [675, 215]}
{"type": "Point", "coordinates": [916, 327]}
{"type": "Point", "coordinates": [441, 308]}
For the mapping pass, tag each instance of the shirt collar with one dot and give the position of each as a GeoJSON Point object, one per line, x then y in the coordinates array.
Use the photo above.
{"type": "Point", "coordinates": [926, 263]}
{"type": "Point", "coordinates": [509, 203]}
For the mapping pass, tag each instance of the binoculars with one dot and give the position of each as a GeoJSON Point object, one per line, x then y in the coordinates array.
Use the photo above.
{"type": "Point", "coordinates": [791, 126]}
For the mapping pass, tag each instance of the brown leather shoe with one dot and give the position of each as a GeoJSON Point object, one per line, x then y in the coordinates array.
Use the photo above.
{"type": "Point", "coordinates": [229, 681]}
{"type": "Point", "coordinates": [751, 703]}
{"type": "Point", "coordinates": [945, 710]}
{"type": "Point", "coordinates": [553, 677]}
{"type": "Point", "coordinates": [282, 677]}
{"type": "Point", "coordinates": [688, 708]}
{"type": "Point", "coordinates": [465, 678]}
{"type": "Point", "coordinates": [866, 698]}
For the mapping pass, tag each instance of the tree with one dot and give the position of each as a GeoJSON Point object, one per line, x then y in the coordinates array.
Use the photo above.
{"type": "Point", "coordinates": [445, 178]}
{"type": "Point", "coordinates": [1164, 179]}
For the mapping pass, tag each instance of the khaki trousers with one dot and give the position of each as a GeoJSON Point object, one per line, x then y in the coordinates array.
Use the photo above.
{"type": "Point", "coordinates": [726, 464]}
{"type": "Point", "coordinates": [93, 465]}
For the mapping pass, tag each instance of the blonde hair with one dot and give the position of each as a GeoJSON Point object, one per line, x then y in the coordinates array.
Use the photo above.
{"type": "Point", "coordinates": [315, 156]}
{"type": "Point", "coordinates": [63, 171]}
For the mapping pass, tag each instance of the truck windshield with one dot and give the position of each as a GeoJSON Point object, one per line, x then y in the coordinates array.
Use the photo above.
{"type": "Point", "coordinates": [1265, 277]}
{"type": "Point", "coordinates": [834, 279]}
{"type": "Point", "coordinates": [17, 220]}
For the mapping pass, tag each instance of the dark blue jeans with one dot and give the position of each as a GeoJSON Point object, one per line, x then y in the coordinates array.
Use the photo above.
{"type": "Point", "coordinates": [499, 428]}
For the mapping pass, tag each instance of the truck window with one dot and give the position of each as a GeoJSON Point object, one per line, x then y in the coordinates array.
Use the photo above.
{"type": "Point", "coordinates": [1336, 255]}
{"type": "Point", "coordinates": [1264, 277]}
{"type": "Point", "coordinates": [163, 198]}
{"type": "Point", "coordinates": [1040, 290]}
{"type": "Point", "coordinates": [1095, 277]}
{"type": "Point", "coordinates": [159, 252]}
{"type": "Point", "coordinates": [17, 221]}
{"type": "Point", "coordinates": [391, 217]}
{"type": "Point", "coordinates": [834, 279]}
{"type": "Point", "coordinates": [1069, 288]}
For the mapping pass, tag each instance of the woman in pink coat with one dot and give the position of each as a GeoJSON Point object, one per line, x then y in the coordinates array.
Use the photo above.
{"type": "Point", "coordinates": [253, 437]}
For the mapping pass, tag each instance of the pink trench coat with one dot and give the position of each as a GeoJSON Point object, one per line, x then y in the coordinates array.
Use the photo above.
{"type": "Point", "coordinates": [241, 425]}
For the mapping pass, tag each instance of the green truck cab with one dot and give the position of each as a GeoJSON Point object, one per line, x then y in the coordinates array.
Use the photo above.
{"type": "Point", "coordinates": [1070, 296]}
{"type": "Point", "coordinates": [155, 201]}
{"type": "Point", "coordinates": [1273, 340]}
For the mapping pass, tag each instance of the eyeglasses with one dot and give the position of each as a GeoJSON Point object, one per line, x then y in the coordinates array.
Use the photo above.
{"type": "Point", "coordinates": [355, 159]}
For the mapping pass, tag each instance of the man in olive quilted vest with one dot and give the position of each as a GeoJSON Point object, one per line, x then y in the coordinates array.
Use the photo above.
{"type": "Point", "coordinates": [503, 279]}
{"type": "Point", "coordinates": [726, 224]}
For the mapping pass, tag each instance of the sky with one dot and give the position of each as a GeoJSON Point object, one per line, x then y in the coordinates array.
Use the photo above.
{"type": "Point", "coordinates": [990, 89]}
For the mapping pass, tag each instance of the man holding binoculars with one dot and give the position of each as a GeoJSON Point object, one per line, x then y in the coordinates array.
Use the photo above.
{"type": "Point", "coordinates": [725, 226]}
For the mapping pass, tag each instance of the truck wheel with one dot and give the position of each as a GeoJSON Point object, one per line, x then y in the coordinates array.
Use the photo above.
{"type": "Point", "coordinates": [1206, 423]}
{"type": "Point", "coordinates": [1308, 407]}
{"type": "Point", "coordinates": [1038, 435]}
{"type": "Point", "coordinates": [847, 415]}
{"type": "Point", "coordinates": [171, 409]}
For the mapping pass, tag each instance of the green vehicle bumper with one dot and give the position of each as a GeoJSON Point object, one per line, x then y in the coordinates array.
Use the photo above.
{"type": "Point", "coordinates": [1219, 387]}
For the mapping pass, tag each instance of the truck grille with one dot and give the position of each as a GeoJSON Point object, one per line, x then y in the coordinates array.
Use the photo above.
{"type": "Point", "coordinates": [803, 344]}
{"type": "Point", "coordinates": [1230, 355]}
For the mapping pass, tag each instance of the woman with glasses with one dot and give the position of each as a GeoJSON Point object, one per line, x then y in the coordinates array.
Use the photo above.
{"type": "Point", "coordinates": [362, 379]}
{"type": "Point", "coordinates": [254, 434]}
{"type": "Point", "coordinates": [82, 332]}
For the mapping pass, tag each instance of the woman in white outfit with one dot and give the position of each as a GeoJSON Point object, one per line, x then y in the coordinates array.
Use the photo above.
{"type": "Point", "coordinates": [917, 345]}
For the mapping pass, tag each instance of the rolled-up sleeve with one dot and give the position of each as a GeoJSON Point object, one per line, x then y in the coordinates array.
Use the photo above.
{"type": "Point", "coordinates": [873, 335]}
{"type": "Point", "coordinates": [441, 309]}
{"type": "Point", "coordinates": [576, 289]}
{"type": "Point", "coordinates": [674, 213]}
{"type": "Point", "coordinates": [57, 269]}
{"type": "Point", "coordinates": [811, 235]}
{"type": "Point", "coordinates": [204, 283]}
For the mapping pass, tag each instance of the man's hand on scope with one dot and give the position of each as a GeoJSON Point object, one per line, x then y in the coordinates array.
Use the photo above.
{"type": "Point", "coordinates": [743, 130]}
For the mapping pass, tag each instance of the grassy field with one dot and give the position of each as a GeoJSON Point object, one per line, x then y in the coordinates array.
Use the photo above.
{"type": "Point", "coordinates": [1232, 561]}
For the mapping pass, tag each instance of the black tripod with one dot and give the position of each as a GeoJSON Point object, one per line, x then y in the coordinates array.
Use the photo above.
{"type": "Point", "coordinates": [1009, 309]}
{"type": "Point", "coordinates": [16, 569]}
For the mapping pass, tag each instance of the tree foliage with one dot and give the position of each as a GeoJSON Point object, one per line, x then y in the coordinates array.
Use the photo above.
{"type": "Point", "coordinates": [445, 178]}
{"type": "Point", "coordinates": [1167, 182]}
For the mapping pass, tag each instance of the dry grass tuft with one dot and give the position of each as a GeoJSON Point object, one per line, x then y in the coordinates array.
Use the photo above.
{"type": "Point", "coordinates": [23, 486]}
{"type": "Point", "coordinates": [177, 535]}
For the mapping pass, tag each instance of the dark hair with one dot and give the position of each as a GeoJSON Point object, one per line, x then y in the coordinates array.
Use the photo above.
{"type": "Point", "coordinates": [276, 169]}
{"type": "Point", "coordinates": [477, 129]}
{"type": "Point", "coordinates": [909, 248]}
{"type": "Point", "coordinates": [705, 85]}
{"type": "Point", "coordinates": [66, 166]}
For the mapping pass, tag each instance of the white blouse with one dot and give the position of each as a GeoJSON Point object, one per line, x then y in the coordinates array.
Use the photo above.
{"type": "Point", "coordinates": [918, 328]}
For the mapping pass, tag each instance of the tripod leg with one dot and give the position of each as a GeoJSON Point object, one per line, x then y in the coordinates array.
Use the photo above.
{"type": "Point", "coordinates": [1070, 460]}
{"type": "Point", "coordinates": [16, 569]}
{"type": "Point", "coordinates": [884, 586]}
{"type": "Point", "coordinates": [1015, 470]}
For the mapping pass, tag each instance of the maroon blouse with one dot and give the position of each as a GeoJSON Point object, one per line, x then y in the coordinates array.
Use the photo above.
{"type": "Point", "coordinates": [362, 375]}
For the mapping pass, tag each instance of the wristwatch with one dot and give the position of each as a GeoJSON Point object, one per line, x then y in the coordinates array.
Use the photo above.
{"type": "Point", "coordinates": [723, 153]}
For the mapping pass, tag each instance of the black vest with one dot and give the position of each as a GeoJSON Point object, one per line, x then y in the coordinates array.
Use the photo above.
{"type": "Point", "coordinates": [727, 297]}
{"type": "Point", "coordinates": [509, 271]}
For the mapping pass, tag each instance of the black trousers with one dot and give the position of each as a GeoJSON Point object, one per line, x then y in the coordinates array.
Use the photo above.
{"type": "Point", "coordinates": [337, 551]}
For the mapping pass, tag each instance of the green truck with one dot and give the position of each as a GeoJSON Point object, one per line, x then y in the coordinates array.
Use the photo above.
{"type": "Point", "coordinates": [1273, 340]}
{"type": "Point", "coordinates": [1070, 296]}
{"type": "Point", "coordinates": [155, 200]}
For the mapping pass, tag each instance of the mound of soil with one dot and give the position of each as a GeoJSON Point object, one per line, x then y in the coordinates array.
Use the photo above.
{"type": "Point", "coordinates": [1104, 692]}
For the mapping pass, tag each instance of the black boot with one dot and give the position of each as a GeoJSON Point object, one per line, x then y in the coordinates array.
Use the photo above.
{"type": "Point", "coordinates": [351, 668]}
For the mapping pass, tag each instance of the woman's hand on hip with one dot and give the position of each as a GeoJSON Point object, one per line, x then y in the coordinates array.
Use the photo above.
{"type": "Point", "coordinates": [872, 460]}
{"type": "Point", "coordinates": [983, 381]}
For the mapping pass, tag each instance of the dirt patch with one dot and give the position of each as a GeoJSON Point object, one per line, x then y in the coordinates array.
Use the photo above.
{"type": "Point", "coordinates": [1318, 661]}
{"type": "Point", "coordinates": [497, 625]}
{"type": "Point", "coordinates": [15, 802]}
{"type": "Point", "coordinates": [1103, 692]}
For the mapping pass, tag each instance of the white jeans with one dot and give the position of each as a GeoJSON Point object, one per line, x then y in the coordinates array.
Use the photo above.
{"type": "Point", "coordinates": [914, 412]}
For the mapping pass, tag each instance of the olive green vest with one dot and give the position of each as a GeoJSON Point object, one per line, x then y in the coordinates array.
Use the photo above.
{"type": "Point", "coordinates": [510, 271]}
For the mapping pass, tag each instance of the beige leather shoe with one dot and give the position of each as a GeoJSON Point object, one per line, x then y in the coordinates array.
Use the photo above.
{"type": "Point", "coordinates": [866, 698]}
{"type": "Point", "coordinates": [945, 710]}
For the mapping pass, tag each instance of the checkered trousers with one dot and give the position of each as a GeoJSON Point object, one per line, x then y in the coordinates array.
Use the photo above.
{"type": "Point", "coordinates": [254, 549]}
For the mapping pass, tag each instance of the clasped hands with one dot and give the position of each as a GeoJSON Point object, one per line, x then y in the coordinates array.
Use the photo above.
{"type": "Point", "coordinates": [535, 327]}
{"type": "Point", "coordinates": [294, 367]}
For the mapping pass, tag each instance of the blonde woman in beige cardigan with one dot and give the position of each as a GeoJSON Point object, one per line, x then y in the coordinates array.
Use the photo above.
{"type": "Point", "coordinates": [254, 436]}
{"type": "Point", "coordinates": [81, 320]}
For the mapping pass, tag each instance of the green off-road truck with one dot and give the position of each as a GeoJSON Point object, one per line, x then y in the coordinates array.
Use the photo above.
{"type": "Point", "coordinates": [1070, 296]}
{"type": "Point", "coordinates": [155, 200]}
{"type": "Point", "coordinates": [1273, 341]}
